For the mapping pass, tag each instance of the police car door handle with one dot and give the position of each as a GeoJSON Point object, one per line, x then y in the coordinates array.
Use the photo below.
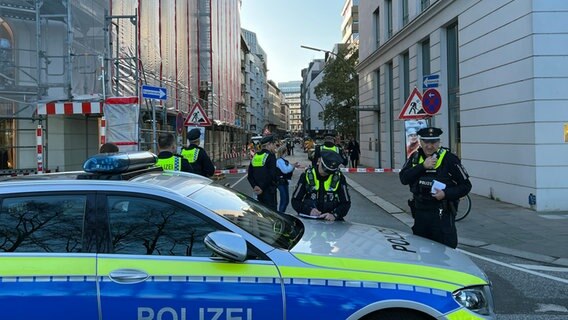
{"type": "Point", "coordinates": [128, 276]}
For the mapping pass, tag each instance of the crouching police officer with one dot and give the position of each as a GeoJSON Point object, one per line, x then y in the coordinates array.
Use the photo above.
{"type": "Point", "coordinates": [197, 156]}
{"type": "Point", "coordinates": [167, 158]}
{"type": "Point", "coordinates": [437, 181]}
{"type": "Point", "coordinates": [262, 174]}
{"type": "Point", "coordinates": [322, 190]}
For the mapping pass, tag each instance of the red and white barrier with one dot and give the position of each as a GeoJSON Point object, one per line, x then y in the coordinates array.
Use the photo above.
{"type": "Point", "coordinates": [348, 170]}
{"type": "Point", "coordinates": [103, 131]}
{"type": "Point", "coordinates": [39, 143]}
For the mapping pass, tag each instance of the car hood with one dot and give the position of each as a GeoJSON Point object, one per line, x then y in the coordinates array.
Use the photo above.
{"type": "Point", "coordinates": [357, 247]}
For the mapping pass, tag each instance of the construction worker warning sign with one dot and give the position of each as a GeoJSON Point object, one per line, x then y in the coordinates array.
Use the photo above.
{"type": "Point", "coordinates": [197, 117]}
{"type": "Point", "coordinates": [413, 107]}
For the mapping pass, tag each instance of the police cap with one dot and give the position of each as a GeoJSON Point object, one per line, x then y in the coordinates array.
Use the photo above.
{"type": "Point", "coordinates": [193, 134]}
{"type": "Point", "coordinates": [330, 161]}
{"type": "Point", "coordinates": [430, 133]}
{"type": "Point", "coordinates": [267, 139]}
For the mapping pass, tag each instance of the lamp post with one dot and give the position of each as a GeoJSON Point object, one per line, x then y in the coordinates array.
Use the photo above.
{"type": "Point", "coordinates": [323, 113]}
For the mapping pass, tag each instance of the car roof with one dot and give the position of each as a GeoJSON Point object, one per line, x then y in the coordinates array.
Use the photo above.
{"type": "Point", "coordinates": [170, 181]}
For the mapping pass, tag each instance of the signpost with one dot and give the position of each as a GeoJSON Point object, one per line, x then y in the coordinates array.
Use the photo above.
{"type": "Point", "coordinates": [430, 81]}
{"type": "Point", "coordinates": [158, 93]}
{"type": "Point", "coordinates": [197, 117]}
{"type": "Point", "coordinates": [431, 101]}
{"type": "Point", "coordinates": [413, 107]}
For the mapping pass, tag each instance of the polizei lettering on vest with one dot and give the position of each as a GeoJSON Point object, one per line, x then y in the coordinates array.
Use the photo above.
{"type": "Point", "coordinates": [398, 242]}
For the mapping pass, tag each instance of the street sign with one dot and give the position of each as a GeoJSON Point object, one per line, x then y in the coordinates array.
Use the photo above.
{"type": "Point", "coordinates": [431, 101]}
{"type": "Point", "coordinates": [151, 92]}
{"type": "Point", "coordinates": [413, 107]}
{"type": "Point", "coordinates": [431, 81]}
{"type": "Point", "coordinates": [197, 117]}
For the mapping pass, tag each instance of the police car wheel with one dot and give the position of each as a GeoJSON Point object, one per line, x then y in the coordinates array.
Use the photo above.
{"type": "Point", "coordinates": [397, 314]}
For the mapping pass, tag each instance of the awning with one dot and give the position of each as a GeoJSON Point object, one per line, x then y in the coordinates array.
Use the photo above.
{"type": "Point", "coordinates": [84, 107]}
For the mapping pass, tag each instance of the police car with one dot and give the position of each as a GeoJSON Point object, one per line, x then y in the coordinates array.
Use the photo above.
{"type": "Point", "coordinates": [125, 240]}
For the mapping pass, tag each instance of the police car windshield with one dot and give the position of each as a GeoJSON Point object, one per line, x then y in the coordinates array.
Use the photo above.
{"type": "Point", "coordinates": [279, 230]}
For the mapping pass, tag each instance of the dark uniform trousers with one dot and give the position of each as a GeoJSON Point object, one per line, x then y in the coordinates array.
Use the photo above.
{"type": "Point", "coordinates": [269, 198]}
{"type": "Point", "coordinates": [430, 224]}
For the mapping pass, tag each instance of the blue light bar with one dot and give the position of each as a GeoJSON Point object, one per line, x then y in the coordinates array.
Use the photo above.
{"type": "Point", "coordinates": [119, 162]}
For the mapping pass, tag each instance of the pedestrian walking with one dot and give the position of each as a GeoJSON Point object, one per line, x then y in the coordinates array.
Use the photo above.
{"type": "Point", "coordinates": [285, 170]}
{"type": "Point", "coordinates": [329, 145]}
{"type": "Point", "coordinates": [437, 181]}
{"type": "Point", "coordinates": [354, 152]}
{"type": "Point", "coordinates": [262, 173]}
{"type": "Point", "coordinates": [167, 158]}
{"type": "Point", "coordinates": [322, 190]}
{"type": "Point", "coordinates": [197, 156]}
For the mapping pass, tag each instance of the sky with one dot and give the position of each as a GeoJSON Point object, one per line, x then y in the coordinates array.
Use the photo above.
{"type": "Point", "coordinates": [281, 26]}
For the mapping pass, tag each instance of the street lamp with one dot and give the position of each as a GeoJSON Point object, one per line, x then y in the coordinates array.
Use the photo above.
{"type": "Point", "coordinates": [323, 113]}
{"type": "Point", "coordinates": [320, 50]}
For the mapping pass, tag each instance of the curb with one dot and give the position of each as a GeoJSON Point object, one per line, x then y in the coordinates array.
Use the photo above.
{"type": "Point", "coordinates": [407, 219]}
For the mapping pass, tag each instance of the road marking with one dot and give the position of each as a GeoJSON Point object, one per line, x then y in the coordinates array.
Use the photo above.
{"type": "Point", "coordinates": [550, 308]}
{"type": "Point", "coordinates": [541, 268]}
{"type": "Point", "coordinates": [241, 179]}
{"type": "Point", "coordinates": [538, 274]}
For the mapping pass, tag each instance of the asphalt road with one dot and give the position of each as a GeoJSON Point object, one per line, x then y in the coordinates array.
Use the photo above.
{"type": "Point", "coordinates": [522, 289]}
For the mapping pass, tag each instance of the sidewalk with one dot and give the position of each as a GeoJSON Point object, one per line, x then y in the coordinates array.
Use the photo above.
{"type": "Point", "coordinates": [491, 225]}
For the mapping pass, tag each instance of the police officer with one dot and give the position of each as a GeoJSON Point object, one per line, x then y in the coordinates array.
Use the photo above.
{"type": "Point", "coordinates": [322, 190]}
{"type": "Point", "coordinates": [167, 159]}
{"type": "Point", "coordinates": [329, 145]}
{"type": "Point", "coordinates": [197, 156]}
{"type": "Point", "coordinates": [437, 181]}
{"type": "Point", "coordinates": [262, 173]}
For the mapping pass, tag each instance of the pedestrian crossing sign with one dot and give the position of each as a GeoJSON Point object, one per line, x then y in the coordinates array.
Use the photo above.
{"type": "Point", "coordinates": [413, 107]}
{"type": "Point", "coordinates": [197, 117]}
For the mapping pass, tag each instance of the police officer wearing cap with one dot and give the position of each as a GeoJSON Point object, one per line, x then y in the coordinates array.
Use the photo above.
{"type": "Point", "coordinates": [434, 208]}
{"type": "Point", "coordinates": [329, 145]}
{"type": "Point", "coordinates": [167, 158]}
{"type": "Point", "coordinates": [322, 190]}
{"type": "Point", "coordinates": [197, 156]}
{"type": "Point", "coordinates": [262, 173]}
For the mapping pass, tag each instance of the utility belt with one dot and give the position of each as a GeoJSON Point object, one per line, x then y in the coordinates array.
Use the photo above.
{"type": "Point", "coordinates": [447, 206]}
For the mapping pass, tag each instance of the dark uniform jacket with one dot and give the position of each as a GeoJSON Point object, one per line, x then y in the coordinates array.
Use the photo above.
{"type": "Point", "coordinates": [331, 147]}
{"type": "Point", "coordinates": [448, 171]}
{"type": "Point", "coordinates": [334, 200]}
{"type": "Point", "coordinates": [185, 166]}
{"type": "Point", "coordinates": [264, 176]}
{"type": "Point", "coordinates": [199, 160]}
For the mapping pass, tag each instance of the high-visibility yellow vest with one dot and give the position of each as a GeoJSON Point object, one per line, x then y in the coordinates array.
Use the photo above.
{"type": "Point", "coordinates": [334, 148]}
{"type": "Point", "coordinates": [259, 160]}
{"type": "Point", "coordinates": [190, 154]}
{"type": "Point", "coordinates": [172, 163]}
{"type": "Point", "coordinates": [441, 155]}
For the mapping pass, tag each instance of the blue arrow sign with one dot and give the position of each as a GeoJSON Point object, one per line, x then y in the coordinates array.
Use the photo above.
{"type": "Point", "coordinates": [150, 92]}
{"type": "Point", "coordinates": [430, 81]}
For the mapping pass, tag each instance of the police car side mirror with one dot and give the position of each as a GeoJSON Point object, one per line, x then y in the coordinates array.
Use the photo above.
{"type": "Point", "coordinates": [227, 245]}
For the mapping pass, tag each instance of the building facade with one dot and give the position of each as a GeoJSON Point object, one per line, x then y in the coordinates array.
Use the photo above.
{"type": "Point", "coordinates": [292, 91]}
{"type": "Point", "coordinates": [350, 22]}
{"type": "Point", "coordinates": [312, 107]}
{"type": "Point", "coordinates": [255, 82]}
{"type": "Point", "coordinates": [501, 70]}
{"type": "Point", "coordinates": [61, 59]}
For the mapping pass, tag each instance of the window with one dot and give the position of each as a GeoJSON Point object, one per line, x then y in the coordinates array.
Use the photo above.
{"type": "Point", "coordinates": [154, 227]}
{"type": "Point", "coordinates": [388, 4]}
{"type": "Point", "coordinates": [42, 223]}
{"type": "Point", "coordinates": [405, 75]}
{"type": "Point", "coordinates": [426, 57]}
{"type": "Point", "coordinates": [390, 106]}
{"type": "Point", "coordinates": [424, 4]}
{"type": "Point", "coordinates": [404, 12]}
{"type": "Point", "coordinates": [377, 22]}
{"type": "Point", "coordinates": [452, 44]}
